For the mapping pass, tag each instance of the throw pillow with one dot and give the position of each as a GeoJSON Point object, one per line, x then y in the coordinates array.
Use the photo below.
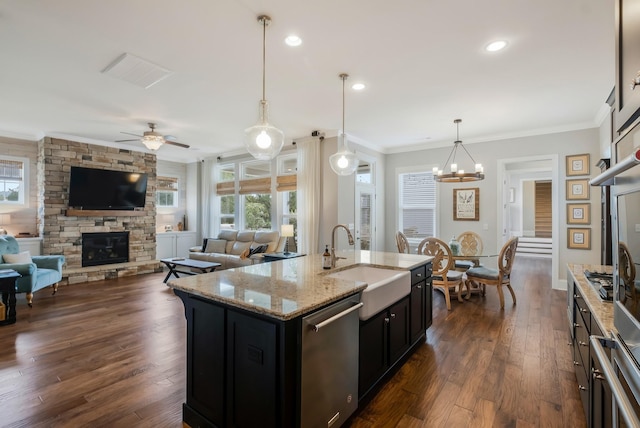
{"type": "Point", "coordinates": [258, 249]}
{"type": "Point", "coordinates": [215, 246]}
{"type": "Point", "coordinates": [23, 257]}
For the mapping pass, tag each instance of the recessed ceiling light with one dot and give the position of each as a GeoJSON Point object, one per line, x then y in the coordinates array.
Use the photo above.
{"type": "Point", "coordinates": [496, 46]}
{"type": "Point", "coordinates": [293, 40]}
{"type": "Point", "coordinates": [358, 86]}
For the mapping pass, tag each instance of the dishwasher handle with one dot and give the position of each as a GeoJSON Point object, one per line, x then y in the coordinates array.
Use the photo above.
{"type": "Point", "coordinates": [328, 321]}
{"type": "Point", "coordinates": [624, 406]}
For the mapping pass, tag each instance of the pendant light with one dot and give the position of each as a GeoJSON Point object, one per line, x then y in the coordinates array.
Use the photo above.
{"type": "Point", "coordinates": [343, 162]}
{"type": "Point", "coordinates": [456, 175]}
{"type": "Point", "coordinates": [264, 141]}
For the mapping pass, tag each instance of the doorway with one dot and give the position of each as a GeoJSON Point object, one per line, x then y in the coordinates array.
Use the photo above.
{"type": "Point", "coordinates": [513, 176]}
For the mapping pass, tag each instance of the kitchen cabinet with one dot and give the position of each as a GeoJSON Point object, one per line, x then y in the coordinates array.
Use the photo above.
{"type": "Point", "coordinates": [174, 244]}
{"type": "Point", "coordinates": [386, 337]}
{"type": "Point", "coordinates": [235, 362]}
{"type": "Point", "coordinates": [247, 370]}
{"type": "Point", "coordinates": [594, 393]}
{"type": "Point", "coordinates": [421, 307]}
{"type": "Point", "coordinates": [627, 49]}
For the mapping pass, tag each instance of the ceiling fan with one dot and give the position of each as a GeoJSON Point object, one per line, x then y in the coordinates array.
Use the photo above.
{"type": "Point", "coordinates": [154, 140]}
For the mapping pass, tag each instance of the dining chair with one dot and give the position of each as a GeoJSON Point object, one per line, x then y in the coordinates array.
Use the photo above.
{"type": "Point", "coordinates": [444, 277]}
{"type": "Point", "coordinates": [498, 277]}
{"type": "Point", "coordinates": [403, 243]}
{"type": "Point", "coordinates": [470, 245]}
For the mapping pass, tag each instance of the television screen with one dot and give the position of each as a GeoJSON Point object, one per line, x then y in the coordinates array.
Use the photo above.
{"type": "Point", "coordinates": [103, 189]}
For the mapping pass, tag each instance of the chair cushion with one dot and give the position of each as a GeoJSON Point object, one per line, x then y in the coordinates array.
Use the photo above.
{"type": "Point", "coordinates": [215, 246]}
{"type": "Point", "coordinates": [23, 257]}
{"type": "Point", "coordinates": [452, 275]}
{"type": "Point", "coordinates": [483, 272]}
{"type": "Point", "coordinates": [468, 264]}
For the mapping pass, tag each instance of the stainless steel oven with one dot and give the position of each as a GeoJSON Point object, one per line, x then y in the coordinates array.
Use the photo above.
{"type": "Point", "coordinates": [619, 371]}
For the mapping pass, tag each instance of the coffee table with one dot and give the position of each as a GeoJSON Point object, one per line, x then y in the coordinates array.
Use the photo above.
{"type": "Point", "coordinates": [8, 279]}
{"type": "Point", "coordinates": [179, 262]}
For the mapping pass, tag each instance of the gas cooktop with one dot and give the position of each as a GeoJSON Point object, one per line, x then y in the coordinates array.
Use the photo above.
{"type": "Point", "coordinates": [602, 282]}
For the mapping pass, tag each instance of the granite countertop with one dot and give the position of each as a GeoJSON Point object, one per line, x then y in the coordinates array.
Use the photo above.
{"type": "Point", "coordinates": [601, 310]}
{"type": "Point", "coordinates": [290, 288]}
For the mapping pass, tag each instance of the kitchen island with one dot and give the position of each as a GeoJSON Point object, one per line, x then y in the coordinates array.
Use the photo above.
{"type": "Point", "coordinates": [245, 335]}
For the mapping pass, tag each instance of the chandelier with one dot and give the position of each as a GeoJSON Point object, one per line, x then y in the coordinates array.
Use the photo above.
{"type": "Point", "coordinates": [455, 174]}
{"type": "Point", "coordinates": [263, 140]}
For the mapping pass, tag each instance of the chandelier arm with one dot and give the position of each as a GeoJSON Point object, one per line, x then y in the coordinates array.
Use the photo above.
{"type": "Point", "coordinates": [468, 154]}
{"type": "Point", "coordinates": [444, 165]}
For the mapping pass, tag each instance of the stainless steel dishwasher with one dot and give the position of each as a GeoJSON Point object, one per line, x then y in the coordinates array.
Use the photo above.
{"type": "Point", "coordinates": [330, 342]}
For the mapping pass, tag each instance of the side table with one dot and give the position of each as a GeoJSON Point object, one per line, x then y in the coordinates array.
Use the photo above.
{"type": "Point", "coordinates": [272, 257]}
{"type": "Point", "coordinates": [8, 279]}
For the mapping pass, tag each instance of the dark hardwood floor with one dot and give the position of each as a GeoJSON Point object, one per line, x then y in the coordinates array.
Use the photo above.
{"type": "Point", "coordinates": [112, 353]}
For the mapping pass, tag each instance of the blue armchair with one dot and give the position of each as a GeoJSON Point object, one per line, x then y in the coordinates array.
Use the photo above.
{"type": "Point", "coordinates": [41, 272]}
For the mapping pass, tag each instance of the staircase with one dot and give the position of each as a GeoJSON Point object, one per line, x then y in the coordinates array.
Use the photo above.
{"type": "Point", "coordinates": [534, 247]}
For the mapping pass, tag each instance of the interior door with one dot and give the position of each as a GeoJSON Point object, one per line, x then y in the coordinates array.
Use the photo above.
{"type": "Point", "coordinates": [365, 224]}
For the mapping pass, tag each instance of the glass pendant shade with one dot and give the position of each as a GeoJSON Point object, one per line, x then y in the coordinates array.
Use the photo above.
{"type": "Point", "coordinates": [263, 141]}
{"type": "Point", "coordinates": [343, 162]}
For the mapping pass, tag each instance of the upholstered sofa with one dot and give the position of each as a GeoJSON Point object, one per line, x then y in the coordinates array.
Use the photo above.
{"type": "Point", "coordinates": [232, 248]}
{"type": "Point", "coordinates": [37, 271]}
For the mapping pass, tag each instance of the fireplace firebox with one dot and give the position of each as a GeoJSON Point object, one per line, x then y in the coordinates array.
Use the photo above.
{"type": "Point", "coordinates": [105, 248]}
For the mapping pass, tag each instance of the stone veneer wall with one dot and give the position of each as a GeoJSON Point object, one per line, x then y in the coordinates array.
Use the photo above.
{"type": "Point", "coordinates": [62, 234]}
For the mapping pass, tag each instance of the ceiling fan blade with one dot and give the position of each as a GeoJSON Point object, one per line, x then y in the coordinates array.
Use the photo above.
{"type": "Point", "coordinates": [175, 143]}
{"type": "Point", "coordinates": [129, 133]}
{"type": "Point", "coordinates": [124, 141]}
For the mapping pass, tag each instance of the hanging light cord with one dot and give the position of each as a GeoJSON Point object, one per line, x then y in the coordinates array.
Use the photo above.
{"type": "Point", "coordinates": [264, 54]}
{"type": "Point", "coordinates": [455, 148]}
{"type": "Point", "coordinates": [344, 78]}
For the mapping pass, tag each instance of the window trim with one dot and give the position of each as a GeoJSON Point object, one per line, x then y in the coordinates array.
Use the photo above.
{"type": "Point", "coordinates": [428, 169]}
{"type": "Point", "coordinates": [24, 201]}
{"type": "Point", "coordinates": [176, 191]}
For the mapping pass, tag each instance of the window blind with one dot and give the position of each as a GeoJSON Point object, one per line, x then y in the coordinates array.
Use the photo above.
{"type": "Point", "coordinates": [11, 170]}
{"type": "Point", "coordinates": [417, 205]}
{"type": "Point", "coordinates": [286, 183]}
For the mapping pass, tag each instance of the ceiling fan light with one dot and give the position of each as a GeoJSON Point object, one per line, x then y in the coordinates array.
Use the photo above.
{"type": "Point", "coordinates": [152, 142]}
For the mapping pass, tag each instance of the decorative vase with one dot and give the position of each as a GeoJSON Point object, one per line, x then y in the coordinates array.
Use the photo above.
{"type": "Point", "coordinates": [455, 246]}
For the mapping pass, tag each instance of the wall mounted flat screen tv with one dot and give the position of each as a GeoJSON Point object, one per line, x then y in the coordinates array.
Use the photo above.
{"type": "Point", "coordinates": [103, 189]}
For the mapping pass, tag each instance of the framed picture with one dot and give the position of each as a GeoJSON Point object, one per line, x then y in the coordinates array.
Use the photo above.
{"type": "Point", "coordinates": [578, 213]}
{"type": "Point", "coordinates": [578, 164]}
{"type": "Point", "coordinates": [579, 238]}
{"type": "Point", "coordinates": [466, 204]}
{"type": "Point", "coordinates": [578, 189]}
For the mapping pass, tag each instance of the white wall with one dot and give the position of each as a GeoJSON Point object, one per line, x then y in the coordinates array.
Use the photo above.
{"type": "Point", "coordinates": [22, 218]}
{"type": "Point", "coordinates": [488, 153]}
{"type": "Point", "coordinates": [170, 215]}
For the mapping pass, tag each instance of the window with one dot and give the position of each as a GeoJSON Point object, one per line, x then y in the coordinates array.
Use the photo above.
{"type": "Point", "coordinates": [167, 192]}
{"type": "Point", "coordinates": [264, 193]}
{"type": "Point", "coordinates": [226, 189]}
{"type": "Point", "coordinates": [417, 205]}
{"type": "Point", "coordinates": [13, 186]}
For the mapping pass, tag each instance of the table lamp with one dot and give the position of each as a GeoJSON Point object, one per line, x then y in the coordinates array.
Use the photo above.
{"type": "Point", "coordinates": [286, 230]}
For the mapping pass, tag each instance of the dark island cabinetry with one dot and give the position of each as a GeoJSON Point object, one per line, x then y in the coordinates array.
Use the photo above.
{"type": "Point", "coordinates": [387, 337]}
{"type": "Point", "coordinates": [235, 361]}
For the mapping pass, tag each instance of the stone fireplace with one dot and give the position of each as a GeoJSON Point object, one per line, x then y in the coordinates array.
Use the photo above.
{"type": "Point", "coordinates": [105, 248]}
{"type": "Point", "coordinates": [63, 229]}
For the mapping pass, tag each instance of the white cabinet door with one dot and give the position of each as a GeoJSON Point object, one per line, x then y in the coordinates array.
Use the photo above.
{"type": "Point", "coordinates": [32, 245]}
{"type": "Point", "coordinates": [174, 244]}
{"type": "Point", "coordinates": [184, 241]}
{"type": "Point", "coordinates": [165, 245]}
